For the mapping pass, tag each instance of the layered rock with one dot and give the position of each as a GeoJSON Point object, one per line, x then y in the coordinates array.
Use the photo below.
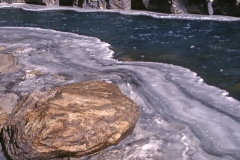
{"type": "Point", "coordinates": [41, 2]}
{"type": "Point", "coordinates": [98, 4]}
{"type": "Point", "coordinates": [3, 117]}
{"type": "Point", "coordinates": [69, 121]}
{"type": "Point", "coordinates": [225, 7]}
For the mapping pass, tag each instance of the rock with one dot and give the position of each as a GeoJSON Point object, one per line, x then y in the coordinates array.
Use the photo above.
{"type": "Point", "coordinates": [230, 7]}
{"type": "Point", "coordinates": [3, 117]}
{"type": "Point", "coordinates": [12, 1]}
{"type": "Point", "coordinates": [69, 121]}
{"type": "Point", "coordinates": [225, 7]}
{"type": "Point", "coordinates": [8, 101]}
{"type": "Point", "coordinates": [41, 2]}
{"type": "Point", "coordinates": [98, 4]}
{"type": "Point", "coordinates": [196, 6]}
{"type": "Point", "coordinates": [138, 4]}
{"type": "Point", "coordinates": [178, 7]}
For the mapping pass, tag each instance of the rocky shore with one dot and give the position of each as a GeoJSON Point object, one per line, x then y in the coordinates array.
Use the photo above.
{"type": "Point", "coordinates": [218, 7]}
{"type": "Point", "coordinates": [70, 121]}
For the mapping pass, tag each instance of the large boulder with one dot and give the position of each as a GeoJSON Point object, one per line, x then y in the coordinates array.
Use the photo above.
{"type": "Point", "coordinates": [3, 117]}
{"type": "Point", "coordinates": [69, 121]}
{"type": "Point", "coordinates": [7, 102]}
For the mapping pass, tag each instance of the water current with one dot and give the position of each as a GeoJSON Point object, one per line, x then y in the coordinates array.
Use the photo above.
{"type": "Point", "coordinates": [209, 48]}
{"type": "Point", "coordinates": [182, 117]}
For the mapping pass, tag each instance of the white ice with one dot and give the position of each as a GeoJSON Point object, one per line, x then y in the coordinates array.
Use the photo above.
{"type": "Point", "coordinates": [181, 116]}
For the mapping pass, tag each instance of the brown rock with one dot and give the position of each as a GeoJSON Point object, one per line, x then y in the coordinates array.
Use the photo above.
{"type": "Point", "coordinates": [69, 121]}
{"type": "Point", "coordinates": [3, 117]}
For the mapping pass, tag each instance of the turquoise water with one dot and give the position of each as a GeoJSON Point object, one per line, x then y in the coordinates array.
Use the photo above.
{"type": "Point", "coordinates": [209, 48]}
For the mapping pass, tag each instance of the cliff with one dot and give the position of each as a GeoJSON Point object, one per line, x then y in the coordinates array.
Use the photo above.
{"type": "Point", "coordinates": [221, 7]}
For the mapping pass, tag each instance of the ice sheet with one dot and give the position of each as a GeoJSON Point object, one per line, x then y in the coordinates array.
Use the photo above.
{"type": "Point", "coordinates": [181, 116]}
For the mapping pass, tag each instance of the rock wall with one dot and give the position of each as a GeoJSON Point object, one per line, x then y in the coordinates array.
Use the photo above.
{"type": "Point", "coordinates": [223, 7]}
{"type": "Point", "coordinates": [40, 2]}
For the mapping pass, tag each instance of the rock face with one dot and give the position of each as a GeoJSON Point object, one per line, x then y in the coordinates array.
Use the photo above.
{"type": "Point", "coordinates": [69, 121]}
{"type": "Point", "coordinates": [224, 7]}
{"type": "Point", "coordinates": [3, 117]}
{"type": "Point", "coordinates": [98, 4]}
{"type": "Point", "coordinates": [41, 2]}
{"type": "Point", "coordinates": [7, 102]}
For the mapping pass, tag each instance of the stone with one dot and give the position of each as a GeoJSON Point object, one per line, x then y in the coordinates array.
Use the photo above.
{"type": "Point", "coordinates": [8, 101]}
{"type": "Point", "coordinates": [98, 4]}
{"type": "Point", "coordinates": [69, 121]}
{"type": "Point", "coordinates": [12, 1]}
{"type": "Point", "coordinates": [3, 117]}
{"type": "Point", "coordinates": [222, 7]}
{"type": "Point", "coordinates": [40, 2]}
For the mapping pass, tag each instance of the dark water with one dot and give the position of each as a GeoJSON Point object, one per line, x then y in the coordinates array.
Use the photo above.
{"type": "Point", "coordinates": [211, 49]}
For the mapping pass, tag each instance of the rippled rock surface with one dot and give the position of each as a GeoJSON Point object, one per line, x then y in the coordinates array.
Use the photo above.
{"type": "Point", "coordinates": [181, 116]}
{"type": "Point", "coordinates": [69, 121]}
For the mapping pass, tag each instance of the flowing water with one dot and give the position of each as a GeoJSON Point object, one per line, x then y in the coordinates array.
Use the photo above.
{"type": "Point", "coordinates": [182, 116]}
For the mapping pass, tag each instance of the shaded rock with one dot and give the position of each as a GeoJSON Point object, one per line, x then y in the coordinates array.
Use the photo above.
{"type": "Point", "coordinates": [3, 117]}
{"type": "Point", "coordinates": [69, 121]}
{"type": "Point", "coordinates": [138, 5]}
{"type": "Point", "coordinates": [160, 6]}
{"type": "Point", "coordinates": [225, 7]}
{"type": "Point", "coordinates": [98, 4]}
{"type": "Point", "coordinates": [197, 6]}
{"type": "Point", "coordinates": [8, 101]}
{"type": "Point", "coordinates": [12, 1]}
{"type": "Point", "coordinates": [41, 2]}
{"type": "Point", "coordinates": [178, 7]}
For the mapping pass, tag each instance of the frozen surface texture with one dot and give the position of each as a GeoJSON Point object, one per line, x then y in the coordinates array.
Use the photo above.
{"type": "Point", "coordinates": [181, 116]}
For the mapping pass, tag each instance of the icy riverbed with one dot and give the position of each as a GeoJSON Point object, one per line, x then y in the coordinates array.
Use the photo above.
{"type": "Point", "coordinates": [181, 116]}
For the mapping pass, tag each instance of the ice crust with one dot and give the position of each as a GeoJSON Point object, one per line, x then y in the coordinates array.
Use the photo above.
{"type": "Point", "coordinates": [182, 118]}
